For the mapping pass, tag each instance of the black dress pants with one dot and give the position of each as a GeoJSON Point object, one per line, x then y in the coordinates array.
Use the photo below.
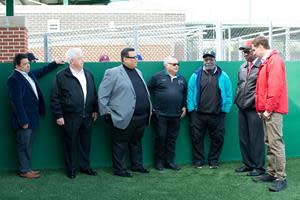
{"type": "Point", "coordinates": [77, 137]}
{"type": "Point", "coordinates": [251, 138]}
{"type": "Point", "coordinates": [215, 125]}
{"type": "Point", "coordinates": [128, 138]}
{"type": "Point", "coordinates": [166, 129]}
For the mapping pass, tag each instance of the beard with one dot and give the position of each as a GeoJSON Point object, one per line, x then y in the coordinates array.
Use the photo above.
{"type": "Point", "coordinates": [209, 66]}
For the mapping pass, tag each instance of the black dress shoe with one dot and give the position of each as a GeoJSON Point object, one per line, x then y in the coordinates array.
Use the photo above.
{"type": "Point", "coordinates": [88, 172]}
{"type": "Point", "coordinates": [159, 167]}
{"type": "Point", "coordinates": [71, 174]}
{"type": "Point", "coordinates": [123, 174]}
{"type": "Point", "coordinates": [264, 178]}
{"type": "Point", "coordinates": [243, 169]}
{"type": "Point", "coordinates": [256, 172]}
{"type": "Point", "coordinates": [141, 170]}
{"type": "Point", "coordinates": [172, 166]}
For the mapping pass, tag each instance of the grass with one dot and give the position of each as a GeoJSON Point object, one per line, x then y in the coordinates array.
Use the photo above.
{"type": "Point", "coordinates": [188, 183]}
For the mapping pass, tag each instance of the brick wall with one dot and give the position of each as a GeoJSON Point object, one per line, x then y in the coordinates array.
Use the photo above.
{"type": "Point", "coordinates": [12, 40]}
{"type": "Point", "coordinates": [89, 17]}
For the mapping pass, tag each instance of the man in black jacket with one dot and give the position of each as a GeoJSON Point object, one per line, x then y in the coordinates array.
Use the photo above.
{"type": "Point", "coordinates": [74, 105]}
{"type": "Point", "coordinates": [251, 135]}
{"type": "Point", "coordinates": [169, 90]}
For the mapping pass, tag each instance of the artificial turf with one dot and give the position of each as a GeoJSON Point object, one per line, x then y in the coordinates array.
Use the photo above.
{"type": "Point", "coordinates": [188, 183]}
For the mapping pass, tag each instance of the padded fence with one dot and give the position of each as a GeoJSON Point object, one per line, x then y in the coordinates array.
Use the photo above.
{"type": "Point", "coordinates": [48, 146]}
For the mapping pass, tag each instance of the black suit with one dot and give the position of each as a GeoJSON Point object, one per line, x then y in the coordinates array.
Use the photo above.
{"type": "Point", "coordinates": [67, 101]}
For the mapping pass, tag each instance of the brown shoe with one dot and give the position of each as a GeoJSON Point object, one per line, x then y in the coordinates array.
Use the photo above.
{"type": "Point", "coordinates": [29, 175]}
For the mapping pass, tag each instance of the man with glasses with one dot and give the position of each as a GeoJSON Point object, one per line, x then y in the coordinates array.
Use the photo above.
{"type": "Point", "coordinates": [251, 134]}
{"type": "Point", "coordinates": [168, 89]}
{"type": "Point", "coordinates": [209, 98]}
{"type": "Point", "coordinates": [124, 100]}
{"type": "Point", "coordinates": [27, 104]}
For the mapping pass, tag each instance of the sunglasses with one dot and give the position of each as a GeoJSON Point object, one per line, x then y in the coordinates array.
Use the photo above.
{"type": "Point", "coordinates": [132, 57]}
{"type": "Point", "coordinates": [247, 51]}
{"type": "Point", "coordinates": [174, 64]}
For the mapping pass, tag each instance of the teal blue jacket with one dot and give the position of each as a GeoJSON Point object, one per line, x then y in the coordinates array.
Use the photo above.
{"type": "Point", "coordinates": [194, 93]}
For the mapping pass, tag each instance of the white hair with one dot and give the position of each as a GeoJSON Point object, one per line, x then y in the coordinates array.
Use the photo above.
{"type": "Point", "coordinates": [73, 53]}
{"type": "Point", "coordinates": [167, 59]}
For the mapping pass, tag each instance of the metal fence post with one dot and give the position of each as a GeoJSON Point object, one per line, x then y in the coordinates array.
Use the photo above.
{"type": "Point", "coordinates": [46, 48]}
{"type": "Point", "coordinates": [135, 38]}
{"type": "Point", "coordinates": [200, 39]}
{"type": "Point", "coordinates": [287, 43]}
{"type": "Point", "coordinates": [229, 44]}
{"type": "Point", "coordinates": [219, 41]}
{"type": "Point", "coordinates": [270, 34]}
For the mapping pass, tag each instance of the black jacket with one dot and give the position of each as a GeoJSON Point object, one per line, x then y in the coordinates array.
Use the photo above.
{"type": "Point", "coordinates": [245, 93]}
{"type": "Point", "coordinates": [67, 95]}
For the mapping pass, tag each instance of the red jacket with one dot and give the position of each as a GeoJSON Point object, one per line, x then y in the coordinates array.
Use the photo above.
{"type": "Point", "coordinates": [271, 88]}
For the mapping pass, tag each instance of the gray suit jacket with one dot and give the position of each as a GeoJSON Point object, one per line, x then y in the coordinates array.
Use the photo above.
{"type": "Point", "coordinates": [116, 96]}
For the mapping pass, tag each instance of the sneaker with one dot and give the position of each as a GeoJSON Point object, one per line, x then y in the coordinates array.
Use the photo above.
{"type": "Point", "coordinates": [214, 166]}
{"type": "Point", "coordinates": [278, 185]}
{"type": "Point", "coordinates": [198, 166]}
{"type": "Point", "coordinates": [264, 178]}
{"type": "Point", "coordinates": [243, 169]}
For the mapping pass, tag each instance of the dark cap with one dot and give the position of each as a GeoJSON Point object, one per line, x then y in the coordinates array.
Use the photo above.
{"type": "Point", "coordinates": [246, 45]}
{"type": "Point", "coordinates": [209, 54]}
{"type": "Point", "coordinates": [31, 57]}
{"type": "Point", "coordinates": [104, 58]}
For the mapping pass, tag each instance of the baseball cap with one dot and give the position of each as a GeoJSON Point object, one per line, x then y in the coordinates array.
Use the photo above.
{"type": "Point", "coordinates": [246, 45]}
{"type": "Point", "coordinates": [31, 57]}
{"type": "Point", "coordinates": [209, 54]}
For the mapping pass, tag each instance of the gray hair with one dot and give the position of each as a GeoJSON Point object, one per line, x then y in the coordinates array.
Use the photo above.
{"type": "Point", "coordinates": [167, 59]}
{"type": "Point", "coordinates": [73, 53]}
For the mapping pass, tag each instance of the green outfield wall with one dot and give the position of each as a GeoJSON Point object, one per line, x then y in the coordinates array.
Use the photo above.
{"type": "Point", "coordinates": [48, 151]}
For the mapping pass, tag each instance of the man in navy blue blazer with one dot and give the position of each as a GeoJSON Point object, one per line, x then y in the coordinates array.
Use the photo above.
{"type": "Point", "coordinates": [27, 104]}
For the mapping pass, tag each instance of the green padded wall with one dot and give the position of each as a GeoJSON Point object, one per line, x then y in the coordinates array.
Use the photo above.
{"type": "Point", "coordinates": [47, 150]}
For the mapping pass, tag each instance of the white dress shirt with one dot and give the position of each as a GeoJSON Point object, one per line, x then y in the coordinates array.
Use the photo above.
{"type": "Point", "coordinates": [31, 82]}
{"type": "Point", "coordinates": [82, 80]}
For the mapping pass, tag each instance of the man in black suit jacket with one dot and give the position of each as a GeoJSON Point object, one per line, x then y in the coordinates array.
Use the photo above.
{"type": "Point", "coordinates": [74, 105]}
{"type": "Point", "coordinates": [27, 104]}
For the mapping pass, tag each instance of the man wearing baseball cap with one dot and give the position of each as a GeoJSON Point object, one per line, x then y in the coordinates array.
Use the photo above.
{"type": "Point", "coordinates": [209, 98]}
{"type": "Point", "coordinates": [250, 128]}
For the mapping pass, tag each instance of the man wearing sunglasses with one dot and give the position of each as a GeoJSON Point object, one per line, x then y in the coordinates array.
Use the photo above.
{"type": "Point", "coordinates": [124, 100]}
{"type": "Point", "coordinates": [209, 98]}
{"type": "Point", "coordinates": [251, 134]}
{"type": "Point", "coordinates": [168, 89]}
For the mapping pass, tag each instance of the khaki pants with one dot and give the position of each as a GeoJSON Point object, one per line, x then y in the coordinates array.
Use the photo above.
{"type": "Point", "coordinates": [275, 145]}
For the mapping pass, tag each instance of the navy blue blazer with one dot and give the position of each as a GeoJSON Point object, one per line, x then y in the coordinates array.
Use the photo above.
{"type": "Point", "coordinates": [26, 108]}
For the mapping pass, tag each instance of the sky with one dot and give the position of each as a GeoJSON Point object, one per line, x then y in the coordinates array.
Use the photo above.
{"type": "Point", "coordinates": [227, 11]}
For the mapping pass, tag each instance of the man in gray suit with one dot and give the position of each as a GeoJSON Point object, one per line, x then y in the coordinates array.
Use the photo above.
{"type": "Point", "coordinates": [124, 100]}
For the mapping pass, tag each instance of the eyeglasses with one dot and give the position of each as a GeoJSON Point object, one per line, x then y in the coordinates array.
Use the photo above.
{"type": "Point", "coordinates": [248, 51]}
{"type": "Point", "coordinates": [174, 64]}
{"type": "Point", "coordinates": [132, 57]}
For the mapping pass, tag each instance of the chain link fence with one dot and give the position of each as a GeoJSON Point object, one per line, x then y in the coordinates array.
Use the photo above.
{"type": "Point", "coordinates": [156, 41]}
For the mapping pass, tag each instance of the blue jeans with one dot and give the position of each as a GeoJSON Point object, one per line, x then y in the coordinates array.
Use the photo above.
{"type": "Point", "coordinates": [25, 139]}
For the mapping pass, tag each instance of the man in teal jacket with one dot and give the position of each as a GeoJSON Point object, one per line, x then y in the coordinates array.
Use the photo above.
{"type": "Point", "coordinates": [209, 98]}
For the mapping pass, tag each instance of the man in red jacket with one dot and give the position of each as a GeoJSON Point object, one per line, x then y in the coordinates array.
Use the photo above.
{"type": "Point", "coordinates": [271, 103]}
